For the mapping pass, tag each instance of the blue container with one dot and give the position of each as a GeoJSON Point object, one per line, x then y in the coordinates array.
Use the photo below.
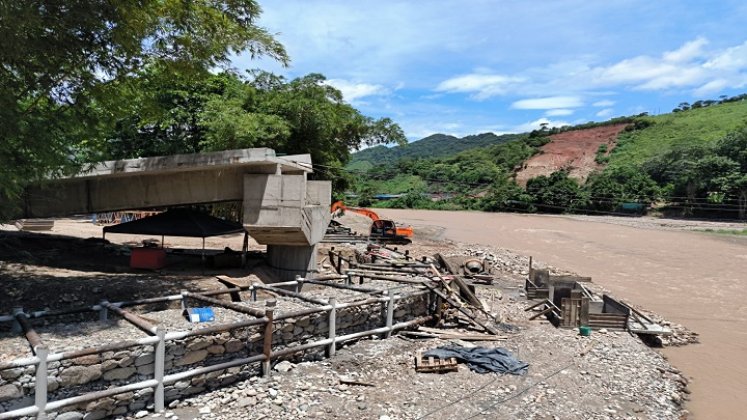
{"type": "Point", "coordinates": [200, 315]}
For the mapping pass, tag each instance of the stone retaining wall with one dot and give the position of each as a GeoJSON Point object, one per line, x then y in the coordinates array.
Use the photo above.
{"type": "Point", "coordinates": [73, 377]}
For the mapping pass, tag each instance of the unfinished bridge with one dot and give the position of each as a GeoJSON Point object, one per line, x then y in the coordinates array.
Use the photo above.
{"type": "Point", "coordinates": [281, 207]}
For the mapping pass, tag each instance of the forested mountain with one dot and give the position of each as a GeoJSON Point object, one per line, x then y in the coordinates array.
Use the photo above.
{"type": "Point", "coordinates": [433, 146]}
{"type": "Point", "coordinates": [692, 161]}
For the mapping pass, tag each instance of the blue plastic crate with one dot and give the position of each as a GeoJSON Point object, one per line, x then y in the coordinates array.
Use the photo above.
{"type": "Point", "coordinates": [200, 315]}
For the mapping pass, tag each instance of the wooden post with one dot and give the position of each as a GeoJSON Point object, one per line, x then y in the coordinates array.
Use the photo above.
{"type": "Point", "coordinates": [267, 343]}
{"type": "Point", "coordinates": [530, 267]}
{"type": "Point", "coordinates": [332, 326]}
{"type": "Point", "coordinates": [584, 318]}
{"type": "Point", "coordinates": [389, 313]}
{"type": "Point", "coordinates": [439, 309]}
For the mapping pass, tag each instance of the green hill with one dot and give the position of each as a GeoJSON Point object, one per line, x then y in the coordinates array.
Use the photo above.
{"type": "Point", "coordinates": [433, 146]}
{"type": "Point", "coordinates": [678, 130]}
{"type": "Point", "coordinates": [691, 162]}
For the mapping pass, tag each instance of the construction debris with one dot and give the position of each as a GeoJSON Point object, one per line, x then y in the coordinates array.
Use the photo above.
{"type": "Point", "coordinates": [432, 364]}
{"type": "Point", "coordinates": [448, 334]}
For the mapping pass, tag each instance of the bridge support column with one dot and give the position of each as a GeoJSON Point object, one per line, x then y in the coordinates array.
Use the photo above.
{"type": "Point", "coordinates": [288, 261]}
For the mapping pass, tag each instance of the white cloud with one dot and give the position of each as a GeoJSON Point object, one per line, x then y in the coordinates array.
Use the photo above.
{"type": "Point", "coordinates": [692, 66]}
{"type": "Point", "coordinates": [711, 87]}
{"type": "Point", "coordinates": [734, 58]}
{"type": "Point", "coordinates": [607, 112]}
{"type": "Point", "coordinates": [603, 103]}
{"type": "Point", "coordinates": [352, 91]}
{"type": "Point", "coordinates": [482, 86]}
{"type": "Point", "coordinates": [689, 67]}
{"type": "Point", "coordinates": [536, 124]}
{"type": "Point", "coordinates": [558, 112]}
{"type": "Point", "coordinates": [552, 102]}
{"type": "Point", "coordinates": [688, 51]}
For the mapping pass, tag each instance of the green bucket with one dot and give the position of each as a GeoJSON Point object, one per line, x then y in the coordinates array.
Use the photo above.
{"type": "Point", "coordinates": [584, 331]}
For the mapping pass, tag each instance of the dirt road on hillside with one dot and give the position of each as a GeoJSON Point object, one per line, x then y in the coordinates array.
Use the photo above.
{"type": "Point", "coordinates": [695, 279]}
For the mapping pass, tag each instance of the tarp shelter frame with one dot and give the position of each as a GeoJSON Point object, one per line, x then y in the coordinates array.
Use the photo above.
{"type": "Point", "coordinates": [182, 223]}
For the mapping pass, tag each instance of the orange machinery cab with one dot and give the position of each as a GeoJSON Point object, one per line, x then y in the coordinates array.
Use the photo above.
{"type": "Point", "coordinates": [404, 231]}
{"type": "Point", "coordinates": [383, 228]}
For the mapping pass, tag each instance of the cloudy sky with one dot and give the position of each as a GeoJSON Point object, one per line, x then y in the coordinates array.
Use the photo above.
{"type": "Point", "coordinates": [473, 66]}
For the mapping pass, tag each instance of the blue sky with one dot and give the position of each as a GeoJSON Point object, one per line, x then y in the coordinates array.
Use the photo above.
{"type": "Point", "coordinates": [473, 66]}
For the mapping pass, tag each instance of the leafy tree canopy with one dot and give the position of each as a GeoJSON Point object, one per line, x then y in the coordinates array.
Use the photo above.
{"type": "Point", "coordinates": [223, 111]}
{"type": "Point", "coordinates": [58, 58]}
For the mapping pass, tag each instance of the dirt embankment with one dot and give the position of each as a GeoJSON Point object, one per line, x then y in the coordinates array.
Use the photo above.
{"type": "Point", "coordinates": [573, 150]}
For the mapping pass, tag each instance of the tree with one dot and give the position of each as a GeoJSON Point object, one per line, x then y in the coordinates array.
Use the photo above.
{"type": "Point", "coordinates": [557, 193]}
{"type": "Point", "coordinates": [734, 146]}
{"type": "Point", "coordinates": [616, 185]}
{"type": "Point", "coordinates": [57, 59]}
{"type": "Point", "coordinates": [505, 195]}
{"type": "Point", "coordinates": [320, 122]}
{"type": "Point", "coordinates": [210, 112]}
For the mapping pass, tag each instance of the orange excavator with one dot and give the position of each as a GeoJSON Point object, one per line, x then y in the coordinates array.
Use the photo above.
{"type": "Point", "coordinates": [381, 229]}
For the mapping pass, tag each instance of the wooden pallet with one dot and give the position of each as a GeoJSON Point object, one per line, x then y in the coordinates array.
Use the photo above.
{"type": "Point", "coordinates": [434, 365]}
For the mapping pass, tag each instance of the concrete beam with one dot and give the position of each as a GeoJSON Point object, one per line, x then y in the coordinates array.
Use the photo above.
{"type": "Point", "coordinates": [198, 162]}
{"type": "Point", "coordinates": [158, 182]}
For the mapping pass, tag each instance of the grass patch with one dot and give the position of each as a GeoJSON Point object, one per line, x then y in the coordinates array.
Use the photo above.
{"type": "Point", "coordinates": [739, 232]}
{"type": "Point", "coordinates": [694, 126]}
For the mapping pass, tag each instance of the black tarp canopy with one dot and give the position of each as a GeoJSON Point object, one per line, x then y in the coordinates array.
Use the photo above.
{"type": "Point", "coordinates": [181, 222]}
{"type": "Point", "coordinates": [178, 222]}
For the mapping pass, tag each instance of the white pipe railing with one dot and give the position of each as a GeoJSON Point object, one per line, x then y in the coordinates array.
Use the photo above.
{"type": "Point", "coordinates": [42, 358]}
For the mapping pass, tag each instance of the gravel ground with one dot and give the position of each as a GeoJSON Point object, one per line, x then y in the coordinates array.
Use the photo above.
{"type": "Point", "coordinates": [607, 375]}
{"type": "Point", "coordinates": [610, 375]}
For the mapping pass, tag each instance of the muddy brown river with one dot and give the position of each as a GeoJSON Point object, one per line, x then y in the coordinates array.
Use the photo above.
{"type": "Point", "coordinates": [695, 279]}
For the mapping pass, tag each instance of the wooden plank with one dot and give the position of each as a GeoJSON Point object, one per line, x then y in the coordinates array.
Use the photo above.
{"type": "Point", "coordinates": [231, 283]}
{"type": "Point", "coordinates": [466, 293]}
{"type": "Point", "coordinates": [458, 307]}
{"type": "Point", "coordinates": [446, 264]}
{"type": "Point", "coordinates": [535, 305]}
{"type": "Point", "coordinates": [575, 305]}
{"type": "Point", "coordinates": [607, 317]}
{"type": "Point", "coordinates": [584, 311]}
{"type": "Point", "coordinates": [544, 311]}
{"type": "Point", "coordinates": [570, 278]}
{"type": "Point", "coordinates": [566, 311]}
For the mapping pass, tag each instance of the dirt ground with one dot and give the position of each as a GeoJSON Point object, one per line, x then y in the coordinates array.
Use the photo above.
{"type": "Point", "coordinates": [693, 278]}
{"type": "Point", "coordinates": [575, 150]}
